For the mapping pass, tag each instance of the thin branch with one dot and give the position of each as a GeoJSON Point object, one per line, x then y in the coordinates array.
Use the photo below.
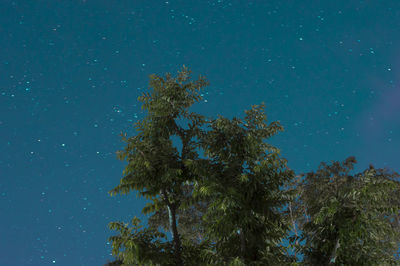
{"type": "Point", "coordinates": [294, 227]}
{"type": "Point", "coordinates": [334, 255]}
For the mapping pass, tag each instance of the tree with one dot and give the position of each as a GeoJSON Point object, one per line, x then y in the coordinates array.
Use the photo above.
{"type": "Point", "coordinates": [155, 168]}
{"type": "Point", "coordinates": [244, 186]}
{"type": "Point", "coordinates": [349, 220]}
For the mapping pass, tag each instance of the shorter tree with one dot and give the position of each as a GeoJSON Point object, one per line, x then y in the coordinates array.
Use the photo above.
{"type": "Point", "coordinates": [349, 220]}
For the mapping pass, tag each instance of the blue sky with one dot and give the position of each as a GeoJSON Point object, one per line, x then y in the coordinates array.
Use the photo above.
{"type": "Point", "coordinates": [71, 72]}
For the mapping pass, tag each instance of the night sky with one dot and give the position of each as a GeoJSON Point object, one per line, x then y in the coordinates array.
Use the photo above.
{"type": "Point", "coordinates": [71, 72]}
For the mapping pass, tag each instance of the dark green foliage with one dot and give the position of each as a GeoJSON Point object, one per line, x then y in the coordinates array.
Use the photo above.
{"type": "Point", "coordinates": [244, 201]}
{"type": "Point", "coordinates": [140, 247]}
{"type": "Point", "coordinates": [237, 206]}
{"type": "Point", "coordinates": [350, 220]}
{"type": "Point", "coordinates": [117, 262]}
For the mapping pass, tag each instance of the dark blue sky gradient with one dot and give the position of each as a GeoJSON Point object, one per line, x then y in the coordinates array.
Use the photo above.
{"type": "Point", "coordinates": [71, 72]}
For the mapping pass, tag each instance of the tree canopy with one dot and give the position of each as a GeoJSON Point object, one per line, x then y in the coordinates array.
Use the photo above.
{"type": "Point", "coordinates": [240, 204]}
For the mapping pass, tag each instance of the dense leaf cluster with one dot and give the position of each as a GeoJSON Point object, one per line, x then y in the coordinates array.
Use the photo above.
{"type": "Point", "coordinates": [240, 204]}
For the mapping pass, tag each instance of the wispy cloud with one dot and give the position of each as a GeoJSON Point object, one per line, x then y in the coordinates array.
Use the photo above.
{"type": "Point", "coordinates": [384, 113]}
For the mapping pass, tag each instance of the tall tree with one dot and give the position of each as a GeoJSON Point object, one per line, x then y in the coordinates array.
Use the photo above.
{"type": "Point", "coordinates": [349, 220]}
{"type": "Point", "coordinates": [155, 168]}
